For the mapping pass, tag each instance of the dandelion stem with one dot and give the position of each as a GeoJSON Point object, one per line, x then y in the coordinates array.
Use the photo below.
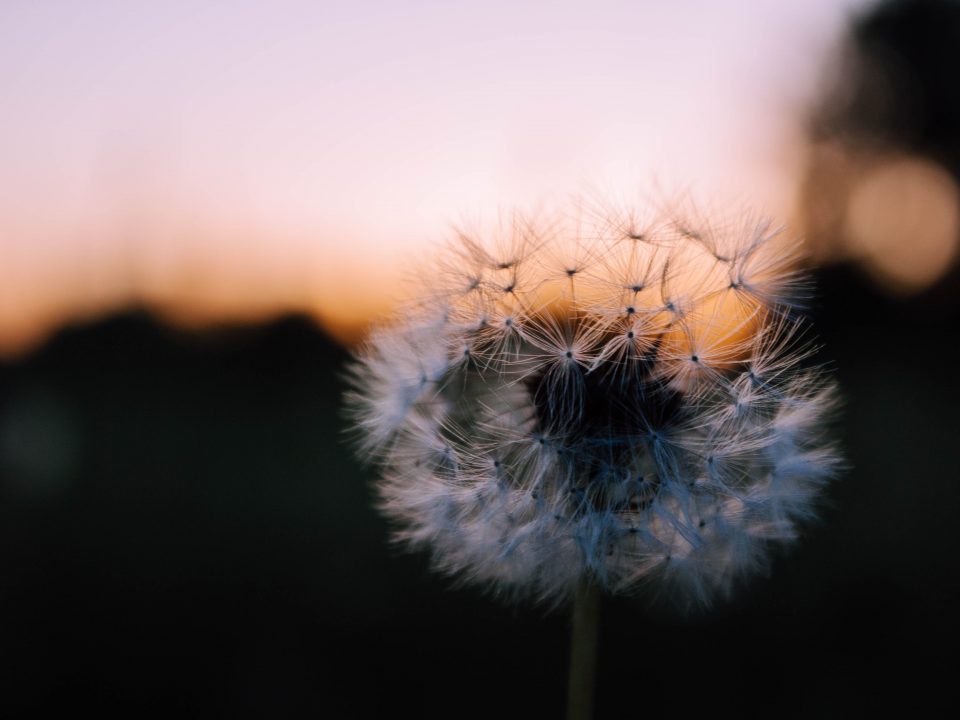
{"type": "Point", "coordinates": [583, 651]}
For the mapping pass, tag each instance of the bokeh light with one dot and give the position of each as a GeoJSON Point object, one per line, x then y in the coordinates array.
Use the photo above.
{"type": "Point", "coordinates": [880, 184]}
{"type": "Point", "coordinates": [902, 223]}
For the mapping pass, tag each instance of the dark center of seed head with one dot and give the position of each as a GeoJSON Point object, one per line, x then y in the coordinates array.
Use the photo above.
{"type": "Point", "coordinates": [602, 409]}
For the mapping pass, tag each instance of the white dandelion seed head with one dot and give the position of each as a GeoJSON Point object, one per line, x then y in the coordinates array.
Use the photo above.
{"type": "Point", "coordinates": [624, 402]}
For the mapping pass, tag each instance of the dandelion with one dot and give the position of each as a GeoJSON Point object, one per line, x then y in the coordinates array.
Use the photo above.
{"type": "Point", "coordinates": [619, 404]}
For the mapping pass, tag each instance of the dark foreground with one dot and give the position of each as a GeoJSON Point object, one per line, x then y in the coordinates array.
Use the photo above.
{"type": "Point", "coordinates": [183, 530]}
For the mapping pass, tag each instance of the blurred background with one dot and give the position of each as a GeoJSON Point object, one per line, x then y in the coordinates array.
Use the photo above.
{"type": "Point", "coordinates": [202, 208]}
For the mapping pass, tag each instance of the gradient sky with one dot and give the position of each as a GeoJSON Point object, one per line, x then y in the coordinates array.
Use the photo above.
{"type": "Point", "coordinates": [233, 159]}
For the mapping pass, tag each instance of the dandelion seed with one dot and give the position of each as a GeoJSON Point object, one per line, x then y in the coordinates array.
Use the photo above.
{"type": "Point", "coordinates": [626, 403]}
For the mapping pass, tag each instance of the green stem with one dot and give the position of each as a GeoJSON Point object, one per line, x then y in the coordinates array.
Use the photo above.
{"type": "Point", "coordinates": [583, 651]}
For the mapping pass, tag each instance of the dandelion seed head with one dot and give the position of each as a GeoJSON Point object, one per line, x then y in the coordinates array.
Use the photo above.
{"type": "Point", "coordinates": [621, 400]}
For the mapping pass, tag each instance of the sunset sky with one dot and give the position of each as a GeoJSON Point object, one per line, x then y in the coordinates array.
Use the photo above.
{"type": "Point", "coordinates": [230, 160]}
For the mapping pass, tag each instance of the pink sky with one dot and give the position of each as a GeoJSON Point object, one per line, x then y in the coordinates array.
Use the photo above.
{"type": "Point", "coordinates": [228, 159]}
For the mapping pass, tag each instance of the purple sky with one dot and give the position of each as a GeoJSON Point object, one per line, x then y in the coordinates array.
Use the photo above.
{"type": "Point", "coordinates": [228, 158]}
